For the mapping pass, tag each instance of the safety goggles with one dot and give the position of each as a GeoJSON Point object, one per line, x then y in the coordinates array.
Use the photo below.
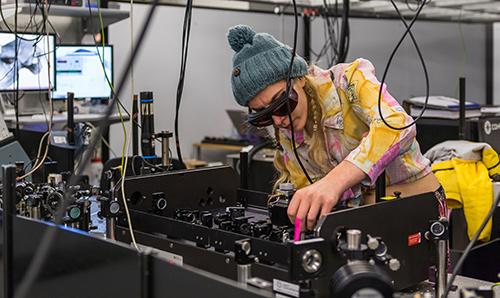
{"type": "Point", "coordinates": [278, 107]}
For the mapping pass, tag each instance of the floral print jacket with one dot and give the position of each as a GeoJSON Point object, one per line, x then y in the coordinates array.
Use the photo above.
{"type": "Point", "coordinates": [351, 99]}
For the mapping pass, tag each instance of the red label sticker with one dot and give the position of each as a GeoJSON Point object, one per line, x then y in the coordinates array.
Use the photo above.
{"type": "Point", "coordinates": [414, 239]}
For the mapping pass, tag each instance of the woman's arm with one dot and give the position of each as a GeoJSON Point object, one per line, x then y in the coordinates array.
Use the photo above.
{"type": "Point", "coordinates": [359, 93]}
{"type": "Point", "coordinates": [371, 153]}
{"type": "Point", "coordinates": [320, 197]}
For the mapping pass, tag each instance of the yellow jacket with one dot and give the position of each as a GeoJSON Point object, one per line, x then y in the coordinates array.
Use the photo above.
{"type": "Point", "coordinates": [464, 169]}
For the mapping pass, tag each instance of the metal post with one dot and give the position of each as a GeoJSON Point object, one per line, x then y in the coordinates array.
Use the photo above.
{"type": "Point", "coordinates": [9, 211]}
{"type": "Point", "coordinates": [86, 220]}
{"type": "Point", "coordinates": [353, 241]}
{"type": "Point", "coordinates": [146, 286]}
{"type": "Point", "coordinates": [110, 228]}
{"type": "Point", "coordinates": [244, 169]}
{"type": "Point", "coordinates": [380, 187]}
{"type": "Point", "coordinates": [147, 125]}
{"type": "Point", "coordinates": [440, 232]}
{"type": "Point", "coordinates": [281, 11]}
{"type": "Point", "coordinates": [243, 273]}
{"type": "Point", "coordinates": [307, 37]}
{"type": "Point", "coordinates": [441, 271]}
{"type": "Point", "coordinates": [461, 120]}
{"type": "Point", "coordinates": [489, 63]}
{"type": "Point", "coordinates": [36, 212]}
{"type": "Point", "coordinates": [165, 135]}
{"type": "Point", "coordinates": [71, 134]}
{"type": "Point", "coordinates": [135, 126]}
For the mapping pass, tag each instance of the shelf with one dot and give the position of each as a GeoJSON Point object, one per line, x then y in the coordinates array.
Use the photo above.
{"type": "Point", "coordinates": [26, 10]}
{"type": "Point", "coordinates": [468, 11]}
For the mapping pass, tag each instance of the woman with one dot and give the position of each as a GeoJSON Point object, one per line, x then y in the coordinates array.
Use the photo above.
{"type": "Point", "coordinates": [340, 138]}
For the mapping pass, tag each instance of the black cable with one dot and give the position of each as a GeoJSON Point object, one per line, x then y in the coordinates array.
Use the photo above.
{"type": "Point", "coordinates": [7, 25]}
{"type": "Point", "coordinates": [30, 21]}
{"type": "Point", "coordinates": [57, 37]}
{"type": "Point", "coordinates": [152, 165]}
{"type": "Point", "coordinates": [467, 250]}
{"type": "Point", "coordinates": [409, 7]}
{"type": "Point", "coordinates": [288, 83]}
{"type": "Point", "coordinates": [16, 75]}
{"type": "Point", "coordinates": [17, 39]}
{"type": "Point", "coordinates": [408, 31]}
{"type": "Point", "coordinates": [336, 44]}
{"type": "Point", "coordinates": [344, 39]}
{"type": "Point", "coordinates": [331, 42]}
{"type": "Point", "coordinates": [43, 108]}
{"type": "Point", "coordinates": [257, 148]}
{"type": "Point", "coordinates": [34, 160]}
{"type": "Point", "coordinates": [133, 164]}
{"type": "Point", "coordinates": [328, 27]}
{"type": "Point", "coordinates": [42, 252]}
{"type": "Point", "coordinates": [6, 74]}
{"type": "Point", "coordinates": [39, 83]}
{"type": "Point", "coordinates": [186, 29]}
{"type": "Point", "coordinates": [102, 63]}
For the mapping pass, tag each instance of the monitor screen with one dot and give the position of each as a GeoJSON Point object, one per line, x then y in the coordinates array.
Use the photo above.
{"type": "Point", "coordinates": [80, 70]}
{"type": "Point", "coordinates": [31, 72]}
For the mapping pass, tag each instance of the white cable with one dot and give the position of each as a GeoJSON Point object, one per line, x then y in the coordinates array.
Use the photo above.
{"type": "Point", "coordinates": [130, 130]}
{"type": "Point", "coordinates": [37, 158]}
{"type": "Point", "coordinates": [102, 138]}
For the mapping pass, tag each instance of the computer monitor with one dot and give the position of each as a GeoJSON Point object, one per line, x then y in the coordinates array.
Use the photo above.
{"type": "Point", "coordinates": [80, 70]}
{"type": "Point", "coordinates": [31, 72]}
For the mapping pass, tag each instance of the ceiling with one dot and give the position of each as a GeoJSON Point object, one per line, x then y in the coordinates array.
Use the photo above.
{"type": "Point", "coordinates": [470, 11]}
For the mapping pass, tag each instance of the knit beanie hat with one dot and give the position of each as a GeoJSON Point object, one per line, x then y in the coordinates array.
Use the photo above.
{"type": "Point", "coordinates": [259, 61]}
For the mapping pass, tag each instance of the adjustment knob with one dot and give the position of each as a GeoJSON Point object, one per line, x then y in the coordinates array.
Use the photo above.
{"type": "Point", "coordinates": [394, 264]}
{"type": "Point", "coordinates": [372, 243]}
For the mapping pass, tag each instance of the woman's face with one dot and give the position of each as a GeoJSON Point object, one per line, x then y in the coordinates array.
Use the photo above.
{"type": "Point", "coordinates": [265, 97]}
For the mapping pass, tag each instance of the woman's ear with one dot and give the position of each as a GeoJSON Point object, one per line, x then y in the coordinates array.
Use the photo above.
{"type": "Point", "coordinates": [302, 81]}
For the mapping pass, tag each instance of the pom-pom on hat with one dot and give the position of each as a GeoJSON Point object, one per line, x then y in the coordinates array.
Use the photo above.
{"type": "Point", "coordinates": [259, 60]}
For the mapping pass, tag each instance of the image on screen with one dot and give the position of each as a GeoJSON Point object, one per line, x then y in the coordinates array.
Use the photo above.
{"type": "Point", "coordinates": [33, 55]}
{"type": "Point", "coordinates": [79, 70]}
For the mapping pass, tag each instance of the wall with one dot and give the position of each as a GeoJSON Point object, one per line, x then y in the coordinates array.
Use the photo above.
{"type": "Point", "coordinates": [441, 46]}
{"type": "Point", "coordinates": [207, 91]}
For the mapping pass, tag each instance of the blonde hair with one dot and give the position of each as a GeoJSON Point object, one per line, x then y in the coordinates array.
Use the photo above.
{"type": "Point", "coordinates": [317, 149]}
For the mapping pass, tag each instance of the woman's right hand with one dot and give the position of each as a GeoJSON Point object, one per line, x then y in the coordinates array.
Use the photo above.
{"type": "Point", "coordinates": [313, 201]}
